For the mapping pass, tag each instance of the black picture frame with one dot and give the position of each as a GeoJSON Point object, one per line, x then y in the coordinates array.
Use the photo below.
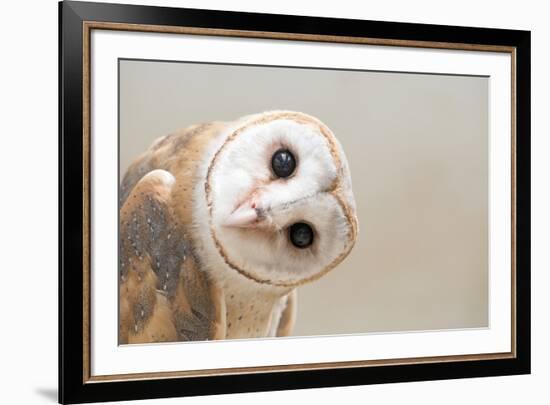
{"type": "Point", "coordinates": [73, 384]}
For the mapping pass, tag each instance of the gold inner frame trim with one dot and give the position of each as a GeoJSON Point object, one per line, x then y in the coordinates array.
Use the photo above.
{"type": "Point", "coordinates": [86, 105]}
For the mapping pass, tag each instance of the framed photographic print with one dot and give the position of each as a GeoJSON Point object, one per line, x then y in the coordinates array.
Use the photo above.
{"type": "Point", "coordinates": [256, 202]}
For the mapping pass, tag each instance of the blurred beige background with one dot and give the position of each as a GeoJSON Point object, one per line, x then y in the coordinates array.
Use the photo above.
{"type": "Point", "coordinates": [418, 151]}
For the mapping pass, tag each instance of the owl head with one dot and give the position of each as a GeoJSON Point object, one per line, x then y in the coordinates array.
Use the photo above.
{"type": "Point", "coordinates": [279, 199]}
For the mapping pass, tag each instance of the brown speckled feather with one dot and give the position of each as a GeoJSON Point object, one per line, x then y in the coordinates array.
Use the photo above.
{"type": "Point", "coordinates": [164, 296]}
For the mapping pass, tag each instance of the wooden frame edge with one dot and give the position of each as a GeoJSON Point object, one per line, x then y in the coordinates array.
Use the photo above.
{"type": "Point", "coordinates": [86, 151]}
{"type": "Point", "coordinates": [293, 36]}
{"type": "Point", "coordinates": [87, 26]}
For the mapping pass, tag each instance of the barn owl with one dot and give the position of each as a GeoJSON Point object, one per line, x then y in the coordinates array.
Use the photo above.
{"type": "Point", "coordinates": [221, 222]}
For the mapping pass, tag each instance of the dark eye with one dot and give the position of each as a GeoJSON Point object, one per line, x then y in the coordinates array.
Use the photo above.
{"type": "Point", "coordinates": [301, 235]}
{"type": "Point", "coordinates": [283, 163]}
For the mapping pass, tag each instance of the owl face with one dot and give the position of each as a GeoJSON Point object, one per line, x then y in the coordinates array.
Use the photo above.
{"type": "Point", "coordinates": [279, 198]}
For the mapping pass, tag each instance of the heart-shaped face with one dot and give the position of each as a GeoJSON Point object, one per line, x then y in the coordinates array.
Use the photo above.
{"type": "Point", "coordinates": [279, 197]}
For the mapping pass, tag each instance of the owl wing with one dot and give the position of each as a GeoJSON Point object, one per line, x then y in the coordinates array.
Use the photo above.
{"type": "Point", "coordinates": [164, 295]}
{"type": "Point", "coordinates": [288, 316]}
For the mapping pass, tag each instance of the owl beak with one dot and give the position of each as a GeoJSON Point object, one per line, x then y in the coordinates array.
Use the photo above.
{"type": "Point", "coordinates": [247, 215]}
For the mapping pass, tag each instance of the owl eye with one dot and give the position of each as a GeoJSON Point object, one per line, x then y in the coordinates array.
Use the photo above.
{"type": "Point", "coordinates": [301, 235]}
{"type": "Point", "coordinates": [283, 163]}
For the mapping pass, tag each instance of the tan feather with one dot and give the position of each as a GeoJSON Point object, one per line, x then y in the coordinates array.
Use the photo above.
{"type": "Point", "coordinates": [162, 294]}
{"type": "Point", "coordinates": [288, 317]}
